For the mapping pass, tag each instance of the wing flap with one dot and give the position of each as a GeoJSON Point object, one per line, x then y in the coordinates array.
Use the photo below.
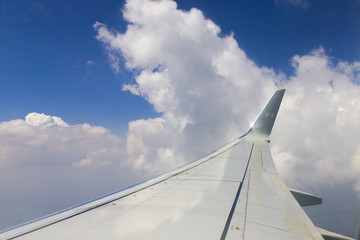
{"type": "Point", "coordinates": [271, 206]}
{"type": "Point", "coordinates": [327, 235]}
{"type": "Point", "coordinates": [305, 199]}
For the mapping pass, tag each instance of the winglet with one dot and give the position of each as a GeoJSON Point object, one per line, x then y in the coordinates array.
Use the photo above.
{"type": "Point", "coordinates": [262, 126]}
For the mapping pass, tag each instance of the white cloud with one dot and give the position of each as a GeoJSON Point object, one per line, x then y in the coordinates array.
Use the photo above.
{"type": "Point", "coordinates": [188, 73]}
{"type": "Point", "coordinates": [208, 92]}
{"type": "Point", "coordinates": [48, 140]}
{"type": "Point", "coordinates": [90, 62]}
{"type": "Point", "coordinates": [70, 163]}
{"type": "Point", "coordinates": [297, 3]}
{"type": "Point", "coordinates": [42, 120]}
{"type": "Point", "coordinates": [321, 122]}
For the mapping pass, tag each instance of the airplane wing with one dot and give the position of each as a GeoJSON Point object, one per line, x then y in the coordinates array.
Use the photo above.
{"type": "Point", "coordinates": [233, 193]}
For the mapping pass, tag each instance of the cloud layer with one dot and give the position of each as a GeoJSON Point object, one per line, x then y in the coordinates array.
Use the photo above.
{"type": "Point", "coordinates": [47, 141]}
{"type": "Point", "coordinates": [208, 91]}
{"type": "Point", "coordinates": [47, 165]}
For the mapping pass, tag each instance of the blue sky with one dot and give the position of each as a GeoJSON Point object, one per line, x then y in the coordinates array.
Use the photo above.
{"type": "Point", "coordinates": [46, 45]}
{"type": "Point", "coordinates": [272, 33]}
{"type": "Point", "coordinates": [131, 93]}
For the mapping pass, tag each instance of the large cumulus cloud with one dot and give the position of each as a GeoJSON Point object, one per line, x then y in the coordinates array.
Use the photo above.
{"type": "Point", "coordinates": [200, 82]}
{"type": "Point", "coordinates": [208, 91]}
{"type": "Point", "coordinates": [317, 141]}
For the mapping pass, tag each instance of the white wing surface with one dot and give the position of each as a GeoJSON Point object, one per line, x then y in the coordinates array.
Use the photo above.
{"type": "Point", "coordinates": [233, 193]}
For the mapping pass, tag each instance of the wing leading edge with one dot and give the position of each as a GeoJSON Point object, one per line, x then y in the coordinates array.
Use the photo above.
{"type": "Point", "coordinates": [233, 193]}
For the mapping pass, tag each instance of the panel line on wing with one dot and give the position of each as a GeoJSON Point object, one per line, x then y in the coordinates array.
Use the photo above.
{"type": "Point", "coordinates": [204, 180]}
{"type": "Point", "coordinates": [247, 201]}
{"type": "Point", "coordinates": [269, 226]}
{"type": "Point", "coordinates": [227, 224]}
